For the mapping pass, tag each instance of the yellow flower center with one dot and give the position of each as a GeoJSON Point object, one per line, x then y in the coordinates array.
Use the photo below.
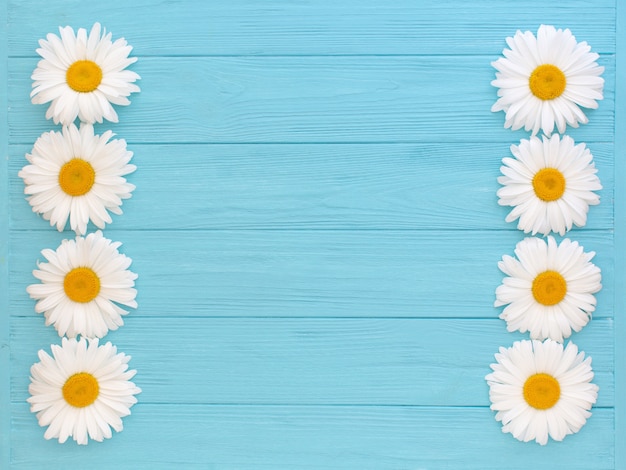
{"type": "Point", "coordinates": [77, 177]}
{"type": "Point", "coordinates": [81, 390]}
{"type": "Point", "coordinates": [83, 76]}
{"type": "Point", "coordinates": [549, 184]}
{"type": "Point", "coordinates": [542, 391]}
{"type": "Point", "coordinates": [547, 82]}
{"type": "Point", "coordinates": [81, 285]}
{"type": "Point", "coordinates": [549, 288]}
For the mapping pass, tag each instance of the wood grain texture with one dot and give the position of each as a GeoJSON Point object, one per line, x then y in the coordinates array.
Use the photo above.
{"type": "Point", "coordinates": [5, 364]}
{"type": "Point", "coordinates": [374, 186]}
{"type": "Point", "coordinates": [435, 99]}
{"type": "Point", "coordinates": [316, 233]}
{"type": "Point", "coordinates": [314, 27]}
{"type": "Point", "coordinates": [620, 240]}
{"type": "Point", "coordinates": [301, 273]}
{"type": "Point", "coordinates": [312, 361]}
{"type": "Point", "coordinates": [285, 437]}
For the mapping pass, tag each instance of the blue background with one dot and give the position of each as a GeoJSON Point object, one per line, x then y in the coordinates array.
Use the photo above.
{"type": "Point", "coordinates": [316, 233]}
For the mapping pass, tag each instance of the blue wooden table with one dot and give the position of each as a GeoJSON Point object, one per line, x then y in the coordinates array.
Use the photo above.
{"type": "Point", "coordinates": [316, 233]}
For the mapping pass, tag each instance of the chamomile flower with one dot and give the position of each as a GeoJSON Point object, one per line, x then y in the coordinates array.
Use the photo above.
{"type": "Point", "coordinates": [549, 289]}
{"type": "Point", "coordinates": [543, 80]}
{"type": "Point", "coordinates": [549, 184]}
{"type": "Point", "coordinates": [81, 75]}
{"type": "Point", "coordinates": [82, 284]}
{"type": "Point", "coordinates": [82, 390]}
{"type": "Point", "coordinates": [541, 389]}
{"type": "Point", "coordinates": [78, 175]}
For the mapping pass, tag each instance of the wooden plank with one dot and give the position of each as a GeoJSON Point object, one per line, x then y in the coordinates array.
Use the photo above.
{"type": "Point", "coordinates": [311, 273]}
{"type": "Point", "coordinates": [285, 437]}
{"type": "Point", "coordinates": [315, 27]}
{"type": "Point", "coordinates": [347, 186]}
{"type": "Point", "coordinates": [620, 241]}
{"type": "Point", "coordinates": [5, 364]}
{"type": "Point", "coordinates": [308, 99]}
{"type": "Point", "coordinates": [311, 361]}
{"type": "Point", "coordinates": [303, 299]}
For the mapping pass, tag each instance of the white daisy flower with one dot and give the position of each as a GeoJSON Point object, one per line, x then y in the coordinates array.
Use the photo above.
{"type": "Point", "coordinates": [77, 175]}
{"type": "Point", "coordinates": [549, 184]}
{"type": "Point", "coordinates": [81, 75]}
{"type": "Point", "coordinates": [544, 80]}
{"type": "Point", "coordinates": [540, 389]}
{"type": "Point", "coordinates": [83, 390]}
{"type": "Point", "coordinates": [81, 285]}
{"type": "Point", "coordinates": [550, 288]}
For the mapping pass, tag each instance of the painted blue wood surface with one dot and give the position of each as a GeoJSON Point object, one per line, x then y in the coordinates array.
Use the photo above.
{"type": "Point", "coordinates": [316, 233]}
{"type": "Point", "coordinates": [5, 364]}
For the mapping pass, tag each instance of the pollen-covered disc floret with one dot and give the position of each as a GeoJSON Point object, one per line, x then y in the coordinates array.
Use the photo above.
{"type": "Point", "coordinates": [78, 175]}
{"type": "Point", "coordinates": [82, 75]}
{"type": "Point", "coordinates": [549, 289]}
{"type": "Point", "coordinates": [83, 285]}
{"type": "Point", "coordinates": [541, 389]}
{"type": "Point", "coordinates": [550, 184]}
{"type": "Point", "coordinates": [544, 80]}
{"type": "Point", "coordinates": [82, 390]}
